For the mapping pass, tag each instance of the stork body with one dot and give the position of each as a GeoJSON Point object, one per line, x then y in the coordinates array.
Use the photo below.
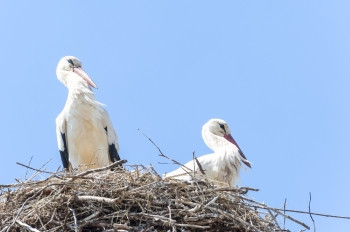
{"type": "Point", "coordinates": [85, 134]}
{"type": "Point", "coordinates": [222, 166]}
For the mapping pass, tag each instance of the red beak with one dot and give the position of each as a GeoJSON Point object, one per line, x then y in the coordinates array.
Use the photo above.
{"type": "Point", "coordinates": [229, 138]}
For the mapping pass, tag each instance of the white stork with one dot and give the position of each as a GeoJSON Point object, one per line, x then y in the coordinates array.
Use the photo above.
{"type": "Point", "coordinates": [223, 165]}
{"type": "Point", "coordinates": [85, 134]}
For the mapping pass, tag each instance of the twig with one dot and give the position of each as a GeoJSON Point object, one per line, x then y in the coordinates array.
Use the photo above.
{"type": "Point", "coordinates": [195, 209]}
{"type": "Point", "coordinates": [263, 206]}
{"type": "Point", "coordinates": [155, 172]}
{"type": "Point", "coordinates": [274, 219]}
{"type": "Point", "coordinates": [98, 199]}
{"type": "Point", "coordinates": [241, 190]}
{"type": "Point", "coordinates": [27, 183]}
{"type": "Point", "coordinates": [171, 220]}
{"type": "Point", "coordinates": [317, 214]}
{"type": "Point", "coordinates": [39, 171]}
{"type": "Point", "coordinates": [25, 177]}
{"type": "Point", "coordinates": [51, 219]}
{"type": "Point", "coordinates": [75, 220]}
{"type": "Point", "coordinates": [295, 211]}
{"type": "Point", "coordinates": [290, 218]}
{"type": "Point", "coordinates": [212, 201]}
{"type": "Point", "coordinates": [313, 221]}
{"type": "Point", "coordinates": [101, 169]}
{"type": "Point", "coordinates": [41, 222]}
{"type": "Point", "coordinates": [162, 154]}
{"type": "Point", "coordinates": [34, 169]}
{"type": "Point", "coordinates": [160, 151]}
{"type": "Point", "coordinates": [194, 226]}
{"type": "Point", "coordinates": [284, 211]}
{"type": "Point", "coordinates": [26, 226]}
{"type": "Point", "coordinates": [156, 217]}
{"type": "Point", "coordinates": [4, 229]}
{"type": "Point", "coordinates": [194, 165]}
{"type": "Point", "coordinates": [199, 165]}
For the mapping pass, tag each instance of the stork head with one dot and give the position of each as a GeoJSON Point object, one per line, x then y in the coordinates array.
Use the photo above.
{"type": "Point", "coordinates": [69, 71]}
{"type": "Point", "coordinates": [219, 129]}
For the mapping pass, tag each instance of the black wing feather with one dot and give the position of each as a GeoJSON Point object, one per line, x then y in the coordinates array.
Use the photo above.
{"type": "Point", "coordinates": [64, 153]}
{"type": "Point", "coordinates": [113, 153]}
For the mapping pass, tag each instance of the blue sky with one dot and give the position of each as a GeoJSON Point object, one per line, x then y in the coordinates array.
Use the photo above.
{"type": "Point", "coordinates": [277, 71]}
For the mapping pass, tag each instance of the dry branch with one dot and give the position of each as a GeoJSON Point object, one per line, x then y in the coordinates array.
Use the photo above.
{"type": "Point", "coordinates": [26, 226]}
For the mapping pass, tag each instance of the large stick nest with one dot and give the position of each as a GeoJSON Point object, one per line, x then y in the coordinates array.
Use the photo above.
{"type": "Point", "coordinates": [129, 200]}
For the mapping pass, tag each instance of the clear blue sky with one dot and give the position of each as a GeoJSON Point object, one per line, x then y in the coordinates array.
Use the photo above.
{"type": "Point", "coordinates": [277, 71]}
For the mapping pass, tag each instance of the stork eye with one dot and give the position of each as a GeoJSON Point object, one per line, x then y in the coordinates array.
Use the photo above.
{"type": "Point", "coordinates": [70, 62]}
{"type": "Point", "coordinates": [222, 126]}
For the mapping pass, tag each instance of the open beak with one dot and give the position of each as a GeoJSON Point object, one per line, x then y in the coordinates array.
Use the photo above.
{"type": "Point", "coordinates": [86, 77]}
{"type": "Point", "coordinates": [229, 138]}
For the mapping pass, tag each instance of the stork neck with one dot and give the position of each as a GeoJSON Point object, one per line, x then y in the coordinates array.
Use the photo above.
{"type": "Point", "coordinates": [80, 89]}
{"type": "Point", "coordinates": [216, 142]}
{"type": "Point", "coordinates": [82, 95]}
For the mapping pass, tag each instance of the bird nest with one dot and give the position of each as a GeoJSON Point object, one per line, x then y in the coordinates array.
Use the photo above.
{"type": "Point", "coordinates": [129, 200]}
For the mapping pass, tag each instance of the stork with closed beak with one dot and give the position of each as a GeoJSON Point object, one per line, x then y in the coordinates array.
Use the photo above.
{"type": "Point", "coordinates": [85, 134]}
{"type": "Point", "coordinates": [223, 165]}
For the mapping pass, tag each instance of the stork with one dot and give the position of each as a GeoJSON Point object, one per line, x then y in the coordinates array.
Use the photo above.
{"type": "Point", "coordinates": [85, 134]}
{"type": "Point", "coordinates": [222, 166]}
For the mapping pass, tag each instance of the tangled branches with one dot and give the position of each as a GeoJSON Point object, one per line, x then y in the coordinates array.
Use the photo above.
{"type": "Point", "coordinates": [129, 200]}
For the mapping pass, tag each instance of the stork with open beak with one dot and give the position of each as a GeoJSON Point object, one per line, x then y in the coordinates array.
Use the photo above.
{"type": "Point", "coordinates": [85, 134]}
{"type": "Point", "coordinates": [223, 166]}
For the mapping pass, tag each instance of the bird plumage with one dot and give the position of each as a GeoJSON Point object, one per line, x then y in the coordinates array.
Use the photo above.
{"type": "Point", "coordinates": [221, 167]}
{"type": "Point", "coordinates": [85, 134]}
